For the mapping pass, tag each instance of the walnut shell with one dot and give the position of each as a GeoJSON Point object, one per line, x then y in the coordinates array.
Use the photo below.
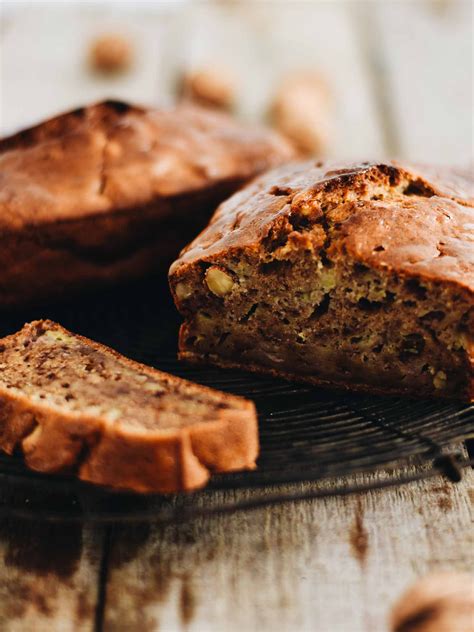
{"type": "Point", "coordinates": [301, 110]}
{"type": "Point", "coordinates": [439, 602]}
{"type": "Point", "coordinates": [209, 86]}
{"type": "Point", "coordinates": [111, 53]}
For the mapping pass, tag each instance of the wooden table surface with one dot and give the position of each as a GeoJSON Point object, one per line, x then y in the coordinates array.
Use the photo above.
{"type": "Point", "coordinates": [402, 78]}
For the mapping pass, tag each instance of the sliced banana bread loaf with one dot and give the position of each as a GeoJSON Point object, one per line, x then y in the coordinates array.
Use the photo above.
{"type": "Point", "coordinates": [356, 276]}
{"type": "Point", "coordinates": [113, 191]}
{"type": "Point", "coordinates": [70, 404]}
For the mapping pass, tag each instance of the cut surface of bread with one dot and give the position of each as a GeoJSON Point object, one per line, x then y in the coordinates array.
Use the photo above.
{"type": "Point", "coordinates": [70, 404]}
{"type": "Point", "coordinates": [113, 191]}
{"type": "Point", "coordinates": [355, 276]}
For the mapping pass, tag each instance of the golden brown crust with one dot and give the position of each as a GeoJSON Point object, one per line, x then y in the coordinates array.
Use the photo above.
{"type": "Point", "coordinates": [127, 457]}
{"type": "Point", "coordinates": [110, 190]}
{"type": "Point", "coordinates": [427, 235]}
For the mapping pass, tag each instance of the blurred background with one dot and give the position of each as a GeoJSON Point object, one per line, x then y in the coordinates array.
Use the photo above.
{"type": "Point", "coordinates": [350, 79]}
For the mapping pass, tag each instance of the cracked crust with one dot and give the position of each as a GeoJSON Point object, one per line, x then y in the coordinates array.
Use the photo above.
{"type": "Point", "coordinates": [394, 229]}
{"type": "Point", "coordinates": [121, 454]}
{"type": "Point", "coordinates": [250, 215]}
{"type": "Point", "coordinates": [112, 191]}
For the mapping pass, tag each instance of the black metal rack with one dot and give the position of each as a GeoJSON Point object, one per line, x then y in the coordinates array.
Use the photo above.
{"type": "Point", "coordinates": [306, 434]}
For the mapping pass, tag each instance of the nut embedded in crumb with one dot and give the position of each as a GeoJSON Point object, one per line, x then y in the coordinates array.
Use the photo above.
{"type": "Point", "coordinates": [301, 110]}
{"type": "Point", "coordinates": [211, 87]}
{"type": "Point", "coordinates": [218, 281]}
{"type": "Point", "coordinates": [183, 291]}
{"type": "Point", "coordinates": [441, 601]}
{"type": "Point", "coordinates": [111, 54]}
{"type": "Point", "coordinates": [439, 380]}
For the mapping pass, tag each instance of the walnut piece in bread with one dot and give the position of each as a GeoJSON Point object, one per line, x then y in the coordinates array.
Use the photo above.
{"type": "Point", "coordinates": [358, 276]}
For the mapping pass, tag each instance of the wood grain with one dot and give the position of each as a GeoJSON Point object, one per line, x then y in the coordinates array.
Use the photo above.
{"type": "Point", "coordinates": [314, 565]}
{"type": "Point", "coordinates": [425, 63]}
{"type": "Point", "coordinates": [44, 60]}
{"type": "Point", "coordinates": [261, 43]}
{"type": "Point", "coordinates": [48, 577]}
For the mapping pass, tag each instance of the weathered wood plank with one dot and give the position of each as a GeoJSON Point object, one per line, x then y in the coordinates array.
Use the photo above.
{"type": "Point", "coordinates": [313, 565]}
{"type": "Point", "coordinates": [425, 61]}
{"type": "Point", "coordinates": [262, 42]}
{"type": "Point", "coordinates": [428, 77]}
{"type": "Point", "coordinates": [44, 65]}
{"type": "Point", "coordinates": [44, 68]}
{"type": "Point", "coordinates": [48, 576]}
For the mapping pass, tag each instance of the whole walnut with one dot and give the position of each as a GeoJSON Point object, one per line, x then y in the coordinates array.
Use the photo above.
{"type": "Point", "coordinates": [301, 110]}
{"type": "Point", "coordinates": [210, 86]}
{"type": "Point", "coordinates": [440, 602]}
{"type": "Point", "coordinates": [111, 54]}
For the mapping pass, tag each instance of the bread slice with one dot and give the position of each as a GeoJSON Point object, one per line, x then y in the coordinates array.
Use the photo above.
{"type": "Point", "coordinates": [70, 404]}
{"type": "Point", "coordinates": [355, 276]}
{"type": "Point", "coordinates": [112, 191]}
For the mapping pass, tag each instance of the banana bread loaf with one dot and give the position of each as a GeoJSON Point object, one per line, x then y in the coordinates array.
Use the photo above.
{"type": "Point", "coordinates": [73, 405]}
{"type": "Point", "coordinates": [112, 191]}
{"type": "Point", "coordinates": [355, 276]}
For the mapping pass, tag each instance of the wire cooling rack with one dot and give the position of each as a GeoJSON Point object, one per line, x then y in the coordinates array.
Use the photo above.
{"type": "Point", "coordinates": [306, 434]}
